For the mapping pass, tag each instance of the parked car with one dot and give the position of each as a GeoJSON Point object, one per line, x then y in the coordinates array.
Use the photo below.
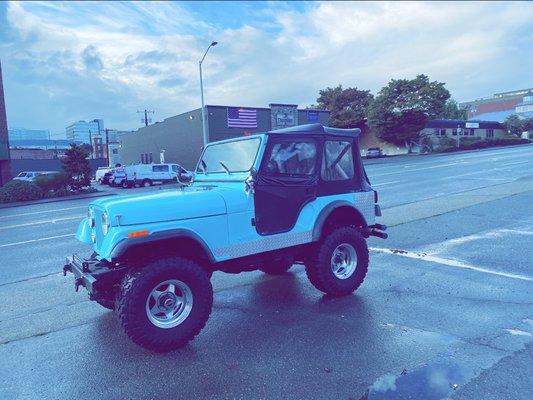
{"type": "Point", "coordinates": [107, 176]}
{"type": "Point", "coordinates": [153, 174]}
{"type": "Point", "coordinates": [118, 177]}
{"type": "Point", "coordinates": [100, 173]}
{"type": "Point", "coordinates": [374, 152]}
{"type": "Point", "coordinates": [268, 201]}
{"type": "Point", "coordinates": [31, 175]}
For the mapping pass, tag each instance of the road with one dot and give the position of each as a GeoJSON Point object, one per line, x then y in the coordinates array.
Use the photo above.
{"type": "Point", "coordinates": [445, 311]}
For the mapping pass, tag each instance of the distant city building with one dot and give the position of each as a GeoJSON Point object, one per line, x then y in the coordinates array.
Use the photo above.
{"type": "Point", "coordinates": [180, 138]}
{"type": "Point", "coordinates": [28, 134]}
{"type": "Point", "coordinates": [500, 105]}
{"type": "Point", "coordinates": [5, 165]}
{"type": "Point", "coordinates": [85, 131]}
{"type": "Point", "coordinates": [39, 149]}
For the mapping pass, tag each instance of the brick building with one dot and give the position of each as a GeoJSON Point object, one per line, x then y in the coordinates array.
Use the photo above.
{"type": "Point", "coordinates": [5, 168]}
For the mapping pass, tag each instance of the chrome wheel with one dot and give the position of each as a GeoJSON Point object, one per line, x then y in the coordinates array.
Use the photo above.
{"type": "Point", "coordinates": [169, 304]}
{"type": "Point", "coordinates": [344, 261]}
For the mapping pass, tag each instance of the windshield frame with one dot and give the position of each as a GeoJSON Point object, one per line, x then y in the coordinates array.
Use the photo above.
{"type": "Point", "coordinates": [200, 171]}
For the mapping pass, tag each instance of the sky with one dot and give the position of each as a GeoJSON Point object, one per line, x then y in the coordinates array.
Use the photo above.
{"type": "Point", "coordinates": [64, 62]}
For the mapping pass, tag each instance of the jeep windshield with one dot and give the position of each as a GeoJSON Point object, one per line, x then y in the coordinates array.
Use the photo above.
{"type": "Point", "coordinates": [229, 157]}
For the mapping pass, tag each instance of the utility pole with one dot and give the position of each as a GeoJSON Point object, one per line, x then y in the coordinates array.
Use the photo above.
{"type": "Point", "coordinates": [107, 145]}
{"type": "Point", "coordinates": [146, 120]}
{"type": "Point", "coordinates": [91, 143]}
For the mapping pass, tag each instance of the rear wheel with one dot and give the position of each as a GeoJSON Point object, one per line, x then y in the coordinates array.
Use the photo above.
{"type": "Point", "coordinates": [166, 304]}
{"type": "Point", "coordinates": [125, 184]}
{"type": "Point", "coordinates": [340, 262]}
{"type": "Point", "coordinates": [147, 182]}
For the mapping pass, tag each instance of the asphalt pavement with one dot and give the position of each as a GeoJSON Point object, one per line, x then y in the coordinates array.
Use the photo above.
{"type": "Point", "coordinates": [446, 310]}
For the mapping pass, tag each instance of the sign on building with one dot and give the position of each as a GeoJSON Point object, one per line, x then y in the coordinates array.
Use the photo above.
{"type": "Point", "coordinates": [473, 125]}
{"type": "Point", "coordinates": [283, 115]}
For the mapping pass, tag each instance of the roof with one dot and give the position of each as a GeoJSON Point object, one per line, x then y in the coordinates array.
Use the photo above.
{"type": "Point", "coordinates": [455, 123]}
{"type": "Point", "coordinates": [318, 129]}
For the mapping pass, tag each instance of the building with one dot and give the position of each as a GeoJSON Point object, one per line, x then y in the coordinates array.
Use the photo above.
{"type": "Point", "coordinates": [179, 139]}
{"type": "Point", "coordinates": [85, 131]}
{"type": "Point", "coordinates": [38, 149]}
{"type": "Point", "coordinates": [5, 166]}
{"type": "Point", "coordinates": [28, 134]}
{"type": "Point", "coordinates": [457, 129]}
{"type": "Point", "coordinates": [500, 105]}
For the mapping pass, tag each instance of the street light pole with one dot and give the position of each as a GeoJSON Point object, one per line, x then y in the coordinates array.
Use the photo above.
{"type": "Point", "coordinates": [204, 128]}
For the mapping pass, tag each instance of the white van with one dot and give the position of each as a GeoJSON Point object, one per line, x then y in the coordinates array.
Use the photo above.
{"type": "Point", "coordinates": [153, 174]}
{"type": "Point", "coordinates": [100, 172]}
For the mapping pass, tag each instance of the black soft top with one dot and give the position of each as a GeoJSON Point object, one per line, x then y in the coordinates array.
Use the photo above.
{"type": "Point", "coordinates": [317, 129]}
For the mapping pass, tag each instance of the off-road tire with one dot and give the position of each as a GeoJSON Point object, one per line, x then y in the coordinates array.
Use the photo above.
{"type": "Point", "coordinates": [135, 289]}
{"type": "Point", "coordinates": [276, 266]}
{"type": "Point", "coordinates": [319, 269]}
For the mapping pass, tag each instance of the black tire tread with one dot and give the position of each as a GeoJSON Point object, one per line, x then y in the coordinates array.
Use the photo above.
{"type": "Point", "coordinates": [318, 269]}
{"type": "Point", "coordinates": [133, 283]}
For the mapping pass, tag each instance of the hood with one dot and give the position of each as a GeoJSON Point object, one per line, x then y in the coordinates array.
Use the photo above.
{"type": "Point", "coordinates": [168, 205]}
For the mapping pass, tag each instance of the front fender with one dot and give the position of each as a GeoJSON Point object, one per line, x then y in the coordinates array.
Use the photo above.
{"type": "Point", "coordinates": [83, 234]}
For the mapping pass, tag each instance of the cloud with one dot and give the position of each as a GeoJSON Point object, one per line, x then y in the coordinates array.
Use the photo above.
{"type": "Point", "coordinates": [92, 59]}
{"type": "Point", "coordinates": [83, 60]}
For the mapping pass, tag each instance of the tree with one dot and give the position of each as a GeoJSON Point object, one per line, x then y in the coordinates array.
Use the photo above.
{"type": "Point", "coordinates": [514, 124]}
{"type": "Point", "coordinates": [347, 106]}
{"type": "Point", "coordinates": [452, 111]}
{"type": "Point", "coordinates": [402, 108]}
{"type": "Point", "coordinates": [76, 166]}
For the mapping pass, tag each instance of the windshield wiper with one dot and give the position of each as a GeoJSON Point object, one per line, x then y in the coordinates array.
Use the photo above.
{"type": "Point", "coordinates": [224, 166]}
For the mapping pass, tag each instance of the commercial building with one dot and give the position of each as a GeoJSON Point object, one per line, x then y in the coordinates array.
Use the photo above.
{"type": "Point", "coordinates": [179, 139]}
{"type": "Point", "coordinates": [5, 167]}
{"type": "Point", "coordinates": [457, 129]}
{"type": "Point", "coordinates": [500, 105]}
{"type": "Point", "coordinates": [28, 134]}
{"type": "Point", "coordinates": [85, 131]}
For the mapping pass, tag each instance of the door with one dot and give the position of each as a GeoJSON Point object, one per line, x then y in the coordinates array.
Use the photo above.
{"type": "Point", "coordinates": [286, 182]}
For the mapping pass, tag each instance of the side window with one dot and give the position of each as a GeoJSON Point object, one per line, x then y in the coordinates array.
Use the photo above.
{"type": "Point", "coordinates": [292, 157]}
{"type": "Point", "coordinates": [338, 161]}
{"type": "Point", "coordinates": [160, 168]}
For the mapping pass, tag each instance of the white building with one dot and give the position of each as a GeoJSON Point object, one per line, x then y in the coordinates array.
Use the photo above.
{"type": "Point", "coordinates": [86, 131]}
{"type": "Point", "coordinates": [28, 134]}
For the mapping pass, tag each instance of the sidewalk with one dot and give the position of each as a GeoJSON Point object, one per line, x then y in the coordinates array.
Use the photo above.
{"type": "Point", "coordinates": [55, 199]}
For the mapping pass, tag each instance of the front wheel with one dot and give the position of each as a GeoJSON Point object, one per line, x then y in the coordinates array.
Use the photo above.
{"type": "Point", "coordinates": [340, 262]}
{"type": "Point", "coordinates": [166, 304]}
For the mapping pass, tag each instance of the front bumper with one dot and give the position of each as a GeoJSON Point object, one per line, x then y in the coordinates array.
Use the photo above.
{"type": "Point", "coordinates": [98, 277]}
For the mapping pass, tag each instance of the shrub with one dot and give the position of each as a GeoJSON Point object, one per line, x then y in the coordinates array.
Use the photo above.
{"type": "Point", "coordinates": [52, 182]}
{"type": "Point", "coordinates": [19, 191]}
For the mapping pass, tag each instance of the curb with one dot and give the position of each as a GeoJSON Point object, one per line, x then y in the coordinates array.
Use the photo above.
{"type": "Point", "coordinates": [57, 199]}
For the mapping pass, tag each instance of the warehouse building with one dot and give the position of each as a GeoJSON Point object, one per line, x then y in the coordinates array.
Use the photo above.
{"type": "Point", "coordinates": [180, 138]}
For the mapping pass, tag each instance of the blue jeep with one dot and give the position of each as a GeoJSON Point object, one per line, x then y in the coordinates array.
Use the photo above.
{"type": "Point", "coordinates": [292, 196]}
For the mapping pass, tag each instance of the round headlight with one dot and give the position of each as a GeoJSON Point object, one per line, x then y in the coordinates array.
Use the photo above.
{"type": "Point", "coordinates": [90, 217]}
{"type": "Point", "coordinates": [105, 223]}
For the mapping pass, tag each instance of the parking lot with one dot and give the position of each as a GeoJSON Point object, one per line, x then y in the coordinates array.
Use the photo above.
{"type": "Point", "coordinates": [445, 311]}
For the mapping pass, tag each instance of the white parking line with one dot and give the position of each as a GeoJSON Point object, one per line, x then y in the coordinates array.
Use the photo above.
{"type": "Point", "coordinates": [51, 221]}
{"type": "Point", "coordinates": [515, 163]}
{"type": "Point", "coordinates": [42, 212]}
{"type": "Point", "coordinates": [385, 183]}
{"type": "Point", "coordinates": [37, 240]}
{"type": "Point", "coordinates": [447, 262]}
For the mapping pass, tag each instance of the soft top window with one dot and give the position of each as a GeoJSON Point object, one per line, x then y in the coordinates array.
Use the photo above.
{"type": "Point", "coordinates": [292, 157]}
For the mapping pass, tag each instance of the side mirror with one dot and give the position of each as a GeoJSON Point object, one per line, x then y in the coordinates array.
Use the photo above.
{"type": "Point", "coordinates": [251, 181]}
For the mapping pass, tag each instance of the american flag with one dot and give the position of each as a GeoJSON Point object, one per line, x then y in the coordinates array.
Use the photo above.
{"type": "Point", "coordinates": [242, 117]}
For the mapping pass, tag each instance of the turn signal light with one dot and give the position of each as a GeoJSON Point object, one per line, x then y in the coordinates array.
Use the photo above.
{"type": "Point", "coordinates": [135, 234]}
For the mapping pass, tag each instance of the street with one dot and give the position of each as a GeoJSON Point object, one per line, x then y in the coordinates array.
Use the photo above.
{"type": "Point", "coordinates": [446, 310]}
